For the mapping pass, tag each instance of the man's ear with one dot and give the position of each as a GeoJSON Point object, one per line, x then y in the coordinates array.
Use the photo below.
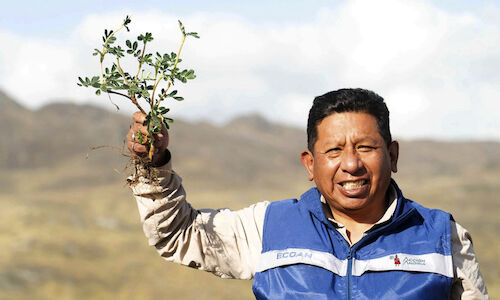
{"type": "Point", "coordinates": [307, 159]}
{"type": "Point", "coordinates": [394, 154]}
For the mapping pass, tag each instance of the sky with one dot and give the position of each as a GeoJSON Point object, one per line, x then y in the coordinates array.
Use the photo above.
{"type": "Point", "coordinates": [436, 63]}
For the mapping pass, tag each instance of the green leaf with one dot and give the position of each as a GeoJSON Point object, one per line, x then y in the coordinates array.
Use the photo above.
{"type": "Point", "coordinates": [97, 52]}
{"type": "Point", "coordinates": [182, 27]}
{"type": "Point", "coordinates": [167, 126]}
{"type": "Point", "coordinates": [145, 93]}
{"type": "Point", "coordinates": [194, 34]}
{"type": "Point", "coordinates": [126, 21]}
{"type": "Point", "coordinates": [179, 98]}
{"type": "Point", "coordinates": [189, 74]}
{"type": "Point", "coordinates": [140, 136]}
{"type": "Point", "coordinates": [163, 110]}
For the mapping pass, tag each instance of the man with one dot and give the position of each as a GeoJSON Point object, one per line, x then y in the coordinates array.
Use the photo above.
{"type": "Point", "coordinates": [354, 236]}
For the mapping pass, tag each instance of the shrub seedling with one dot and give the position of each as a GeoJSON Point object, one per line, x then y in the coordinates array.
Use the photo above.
{"type": "Point", "coordinates": [155, 75]}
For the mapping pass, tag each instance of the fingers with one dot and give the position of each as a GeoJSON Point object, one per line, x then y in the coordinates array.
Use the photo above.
{"type": "Point", "coordinates": [161, 139]}
{"type": "Point", "coordinates": [135, 148]}
{"type": "Point", "coordinates": [139, 117]}
{"type": "Point", "coordinates": [140, 147]}
{"type": "Point", "coordinates": [134, 144]}
{"type": "Point", "coordinates": [138, 127]}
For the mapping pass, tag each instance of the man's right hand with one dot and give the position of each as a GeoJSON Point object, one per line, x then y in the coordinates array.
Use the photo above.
{"type": "Point", "coordinates": [136, 148]}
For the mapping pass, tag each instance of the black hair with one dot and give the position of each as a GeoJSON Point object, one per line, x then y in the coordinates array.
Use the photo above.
{"type": "Point", "coordinates": [348, 100]}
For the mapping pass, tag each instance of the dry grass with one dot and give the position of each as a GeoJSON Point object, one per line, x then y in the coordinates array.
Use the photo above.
{"type": "Point", "coordinates": [87, 243]}
{"type": "Point", "coordinates": [68, 235]}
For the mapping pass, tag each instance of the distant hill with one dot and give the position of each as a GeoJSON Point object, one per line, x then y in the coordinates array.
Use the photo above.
{"type": "Point", "coordinates": [246, 150]}
{"type": "Point", "coordinates": [53, 133]}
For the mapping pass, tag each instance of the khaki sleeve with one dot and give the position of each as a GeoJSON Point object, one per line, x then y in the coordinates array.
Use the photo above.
{"type": "Point", "coordinates": [224, 242]}
{"type": "Point", "coordinates": [468, 283]}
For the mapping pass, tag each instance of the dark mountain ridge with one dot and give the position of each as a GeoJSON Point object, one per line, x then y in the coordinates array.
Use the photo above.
{"type": "Point", "coordinates": [247, 148]}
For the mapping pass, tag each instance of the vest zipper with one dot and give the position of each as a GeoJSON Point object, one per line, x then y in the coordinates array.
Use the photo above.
{"type": "Point", "coordinates": [357, 245]}
{"type": "Point", "coordinates": [349, 273]}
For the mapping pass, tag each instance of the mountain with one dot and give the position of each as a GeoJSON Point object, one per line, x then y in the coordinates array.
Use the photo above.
{"type": "Point", "coordinates": [247, 150]}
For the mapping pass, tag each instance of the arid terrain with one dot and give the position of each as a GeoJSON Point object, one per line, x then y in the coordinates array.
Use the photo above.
{"type": "Point", "coordinates": [69, 226]}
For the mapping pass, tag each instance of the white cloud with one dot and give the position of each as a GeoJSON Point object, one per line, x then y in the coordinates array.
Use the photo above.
{"type": "Point", "coordinates": [436, 69]}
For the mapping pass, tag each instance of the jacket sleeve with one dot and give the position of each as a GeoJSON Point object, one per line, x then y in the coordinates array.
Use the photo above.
{"type": "Point", "coordinates": [224, 242]}
{"type": "Point", "coordinates": [468, 283]}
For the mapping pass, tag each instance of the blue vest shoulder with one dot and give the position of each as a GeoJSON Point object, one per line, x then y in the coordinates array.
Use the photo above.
{"type": "Point", "coordinates": [285, 220]}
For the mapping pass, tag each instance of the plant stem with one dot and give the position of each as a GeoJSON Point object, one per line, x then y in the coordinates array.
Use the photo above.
{"type": "Point", "coordinates": [121, 71]}
{"type": "Point", "coordinates": [140, 61]}
{"type": "Point", "coordinates": [179, 52]}
{"type": "Point", "coordinates": [151, 151]}
{"type": "Point", "coordinates": [175, 64]}
{"type": "Point", "coordinates": [132, 97]}
{"type": "Point", "coordinates": [116, 93]}
{"type": "Point", "coordinates": [134, 100]}
{"type": "Point", "coordinates": [154, 90]}
{"type": "Point", "coordinates": [104, 50]}
{"type": "Point", "coordinates": [151, 148]}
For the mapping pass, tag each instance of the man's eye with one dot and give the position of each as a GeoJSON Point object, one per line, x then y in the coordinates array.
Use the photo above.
{"type": "Point", "coordinates": [365, 147]}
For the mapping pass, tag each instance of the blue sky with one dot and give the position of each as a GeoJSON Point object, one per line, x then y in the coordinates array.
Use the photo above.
{"type": "Point", "coordinates": [58, 17]}
{"type": "Point", "coordinates": [435, 62]}
{"type": "Point", "coordinates": [52, 18]}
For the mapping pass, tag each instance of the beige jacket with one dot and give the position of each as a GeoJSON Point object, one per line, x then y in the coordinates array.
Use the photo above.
{"type": "Point", "coordinates": [228, 243]}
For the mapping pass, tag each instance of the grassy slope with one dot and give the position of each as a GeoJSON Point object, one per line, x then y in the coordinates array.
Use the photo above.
{"type": "Point", "coordinates": [84, 240]}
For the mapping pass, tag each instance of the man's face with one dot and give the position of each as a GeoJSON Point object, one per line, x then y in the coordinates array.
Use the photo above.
{"type": "Point", "coordinates": [351, 164]}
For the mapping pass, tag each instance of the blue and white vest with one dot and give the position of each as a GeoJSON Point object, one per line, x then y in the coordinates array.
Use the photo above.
{"type": "Point", "coordinates": [305, 257]}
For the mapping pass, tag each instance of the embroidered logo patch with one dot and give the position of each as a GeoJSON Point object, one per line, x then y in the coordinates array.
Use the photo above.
{"type": "Point", "coordinates": [414, 261]}
{"type": "Point", "coordinates": [407, 260]}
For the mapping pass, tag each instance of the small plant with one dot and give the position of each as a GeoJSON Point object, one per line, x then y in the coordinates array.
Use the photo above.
{"type": "Point", "coordinates": [155, 75]}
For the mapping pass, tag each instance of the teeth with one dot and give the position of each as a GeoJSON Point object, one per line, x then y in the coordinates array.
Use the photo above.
{"type": "Point", "coordinates": [353, 184]}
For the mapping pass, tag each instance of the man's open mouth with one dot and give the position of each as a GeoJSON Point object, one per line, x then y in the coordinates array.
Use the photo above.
{"type": "Point", "coordinates": [350, 185]}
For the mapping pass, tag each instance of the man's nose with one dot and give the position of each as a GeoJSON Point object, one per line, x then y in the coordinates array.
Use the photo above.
{"type": "Point", "coordinates": [351, 163]}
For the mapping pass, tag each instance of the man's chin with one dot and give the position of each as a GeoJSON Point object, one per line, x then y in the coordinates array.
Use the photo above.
{"type": "Point", "coordinates": [348, 204]}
